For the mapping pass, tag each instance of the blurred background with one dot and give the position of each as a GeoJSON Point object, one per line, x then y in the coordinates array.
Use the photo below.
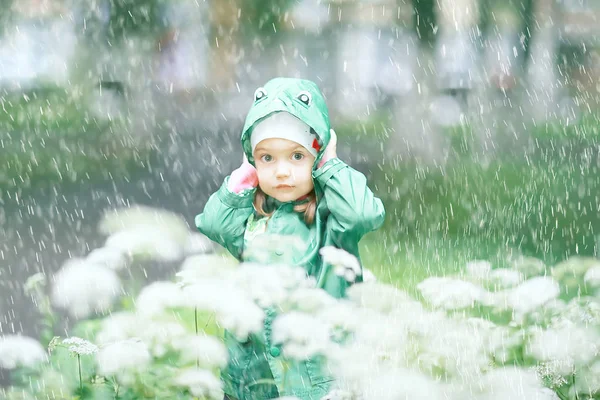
{"type": "Point", "coordinates": [476, 121]}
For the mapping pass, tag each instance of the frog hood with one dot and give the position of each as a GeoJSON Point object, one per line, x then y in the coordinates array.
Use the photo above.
{"type": "Point", "coordinates": [301, 98]}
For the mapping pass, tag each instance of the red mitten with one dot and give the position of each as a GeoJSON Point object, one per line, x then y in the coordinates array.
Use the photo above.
{"type": "Point", "coordinates": [243, 178]}
{"type": "Point", "coordinates": [331, 150]}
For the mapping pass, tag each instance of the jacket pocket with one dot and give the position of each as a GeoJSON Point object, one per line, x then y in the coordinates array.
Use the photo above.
{"type": "Point", "coordinates": [317, 371]}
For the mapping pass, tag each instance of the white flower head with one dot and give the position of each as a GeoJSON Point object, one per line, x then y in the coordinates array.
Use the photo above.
{"type": "Point", "coordinates": [528, 266]}
{"type": "Point", "coordinates": [568, 347]}
{"type": "Point", "coordinates": [451, 294]}
{"type": "Point", "coordinates": [157, 297]}
{"type": "Point", "coordinates": [378, 296]}
{"type": "Point", "coordinates": [120, 326]}
{"type": "Point", "coordinates": [83, 288]}
{"type": "Point", "coordinates": [207, 350]}
{"type": "Point", "coordinates": [308, 300]}
{"type": "Point", "coordinates": [198, 267]}
{"type": "Point", "coordinates": [17, 350]}
{"type": "Point", "coordinates": [503, 278]}
{"type": "Point", "coordinates": [396, 384]}
{"type": "Point", "coordinates": [123, 358]}
{"type": "Point", "coordinates": [269, 285]}
{"type": "Point", "coordinates": [528, 296]}
{"type": "Point", "coordinates": [171, 225]}
{"type": "Point", "coordinates": [302, 335]}
{"type": "Point", "coordinates": [159, 336]}
{"type": "Point", "coordinates": [592, 277]}
{"type": "Point", "coordinates": [80, 346]}
{"type": "Point", "coordinates": [197, 243]}
{"type": "Point", "coordinates": [234, 310]}
{"type": "Point", "coordinates": [509, 383]}
{"type": "Point", "coordinates": [200, 383]}
{"type": "Point", "coordinates": [588, 379]}
{"type": "Point", "coordinates": [109, 258]}
{"type": "Point", "coordinates": [147, 242]}
{"type": "Point", "coordinates": [346, 265]}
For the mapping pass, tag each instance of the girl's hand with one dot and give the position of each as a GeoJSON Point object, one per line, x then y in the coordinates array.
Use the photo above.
{"type": "Point", "coordinates": [243, 178]}
{"type": "Point", "coordinates": [331, 150]}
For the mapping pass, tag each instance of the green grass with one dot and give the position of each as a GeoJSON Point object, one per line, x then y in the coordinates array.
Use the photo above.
{"type": "Point", "coordinates": [536, 196]}
{"type": "Point", "coordinates": [48, 134]}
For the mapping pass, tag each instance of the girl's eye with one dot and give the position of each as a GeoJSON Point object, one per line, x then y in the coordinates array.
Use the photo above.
{"type": "Point", "coordinates": [298, 156]}
{"type": "Point", "coordinates": [267, 158]}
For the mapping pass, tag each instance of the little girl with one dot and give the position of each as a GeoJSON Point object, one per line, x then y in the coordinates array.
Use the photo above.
{"type": "Point", "coordinates": [291, 183]}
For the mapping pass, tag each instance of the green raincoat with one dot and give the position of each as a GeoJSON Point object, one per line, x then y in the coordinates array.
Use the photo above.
{"type": "Point", "coordinates": [346, 210]}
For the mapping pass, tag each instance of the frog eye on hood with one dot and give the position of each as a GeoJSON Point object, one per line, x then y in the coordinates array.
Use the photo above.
{"type": "Point", "coordinates": [260, 94]}
{"type": "Point", "coordinates": [305, 97]}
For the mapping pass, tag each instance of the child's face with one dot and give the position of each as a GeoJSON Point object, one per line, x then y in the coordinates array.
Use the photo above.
{"type": "Point", "coordinates": [284, 169]}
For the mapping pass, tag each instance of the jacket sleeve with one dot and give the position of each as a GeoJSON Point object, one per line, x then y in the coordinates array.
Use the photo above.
{"type": "Point", "coordinates": [354, 209]}
{"type": "Point", "coordinates": [224, 218]}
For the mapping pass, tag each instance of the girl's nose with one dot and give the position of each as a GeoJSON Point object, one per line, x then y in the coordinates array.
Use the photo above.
{"type": "Point", "coordinates": [282, 171]}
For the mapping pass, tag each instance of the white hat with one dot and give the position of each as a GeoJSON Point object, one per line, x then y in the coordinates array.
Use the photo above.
{"type": "Point", "coordinates": [283, 125]}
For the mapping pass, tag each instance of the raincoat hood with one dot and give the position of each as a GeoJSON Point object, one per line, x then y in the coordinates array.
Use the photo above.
{"type": "Point", "coordinates": [299, 97]}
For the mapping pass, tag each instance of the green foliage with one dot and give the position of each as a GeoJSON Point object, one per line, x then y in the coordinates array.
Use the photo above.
{"type": "Point", "coordinates": [49, 134]}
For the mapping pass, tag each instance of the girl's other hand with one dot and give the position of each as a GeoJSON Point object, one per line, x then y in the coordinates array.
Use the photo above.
{"type": "Point", "coordinates": [243, 178]}
{"type": "Point", "coordinates": [331, 150]}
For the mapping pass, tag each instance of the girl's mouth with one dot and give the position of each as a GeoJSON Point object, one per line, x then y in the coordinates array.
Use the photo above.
{"type": "Point", "coordinates": [283, 187]}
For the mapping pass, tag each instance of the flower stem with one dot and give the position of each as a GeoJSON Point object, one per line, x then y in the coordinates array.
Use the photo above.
{"type": "Point", "coordinates": [80, 380]}
{"type": "Point", "coordinates": [196, 325]}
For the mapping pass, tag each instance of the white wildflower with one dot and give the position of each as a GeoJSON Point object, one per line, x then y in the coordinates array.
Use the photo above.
{"type": "Point", "coordinates": [146, 243]}
{"type": "Point", "coordinates": [478, 269]}
{"type": "Point", "coordinates": [309, 300]}
{"type": "Point", "coordinates": [386, 337]}
{"type": "Point", "coordinates": [403, 384]}
{"type": "Point", "coordinates": [588, 379]}
{"type": "Point", "coordinates": [159, 336]}
{"type": "Point", "coordinates": [528, 296]}
{"type": "Point", "coordinates": [197, 243]}
{"type": "Point", "coordinates": [17, 350]}
{"type": "Point", "coordinates": [170, 224]}
{"type": "Point", "coordinates": [457, 349]}
{"type": "Point", "coordinates": [341, 318]}
{"type": "Point", "coordinates": [205, 266]}
{"type": "Point", "coordinates": [108, 257]}
{"type": "Point", "coordinates": [552, 372]}
{"type": "Point", "coordinates": [508, 383]}
{"type": "Point", "coordinates": [123, 357]}
{"type": "Point", "coordinates": [378, 296]}
{"type": "Point", "coordinates": [157, 297]}
{"type": "Point", "coordinates": [207, 350]}
{"type": "Point", "coordinates": [368, 276]}
{"type": "Point", "coordinates": [570, 346]}
{"type": "Point", "coordinates": [528, 266]}
{"type": "Point", "coordinates": [302, 335]}
{"type": "Point", "coordinates": [592, 277]}
{"type": "Point", "coordinates": [84, 288]}
{"type": "Point", "coordinates": [547, 313]}
{"type": "Point", "coordinates": [346, 265]}
{"type": "Point", "coordinates": [269, 285]}
{"type": "Point", "coordinates": [120, 326]}
{"type": "Point", "coordinates": [200, 383]}
{"type": "Point", "coordinates": [80, 346]}
{"type": "Point", "coordinates": [235, 311]}
{"type": "Point", "coordinates": [451, 294]}
{"type": "Point", "coordinates": [503, 278]}
{"type": "Point", "coordinates": [582, 310]}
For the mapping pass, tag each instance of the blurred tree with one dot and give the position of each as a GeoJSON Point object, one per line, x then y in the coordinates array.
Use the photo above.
{"type": "Point", "coordinates": [425, 20]}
